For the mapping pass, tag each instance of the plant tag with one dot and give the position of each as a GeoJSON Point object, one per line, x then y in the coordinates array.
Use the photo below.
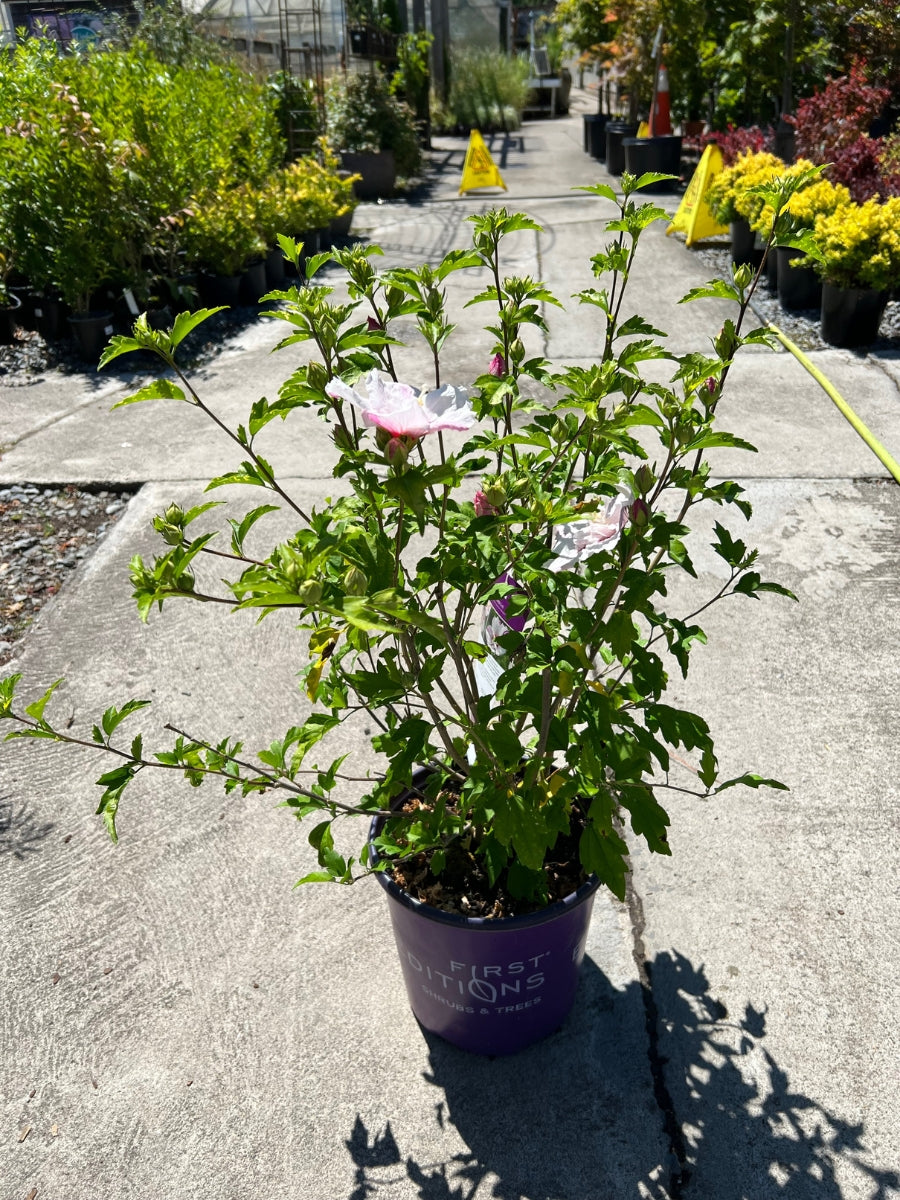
{"type": "Point", "coordinates": [108, 329]}
{"type": "Point", "coordinates": [487, 675]}
{"type": "Point", "coordinates": [131, 302]}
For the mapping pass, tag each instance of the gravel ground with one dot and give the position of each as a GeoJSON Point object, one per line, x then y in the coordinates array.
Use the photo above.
{"type": "Point", "coordinates": [44, 534]}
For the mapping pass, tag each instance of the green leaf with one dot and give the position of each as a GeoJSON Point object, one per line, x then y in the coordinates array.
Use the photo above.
{"type": "Point", "coordinates": [649, 178]}
{"type": "Point", "coordinates": [316, 261]}
{"type": "Point", "coordinates": [708, 440]}
{"type": "Point", "coordinates": [751, 781]}
{"type": "Point", "coordinates": [185, 322]}
{"type": "Point", "coordinates": [602, 851]}
{"type": "Point", "coordinates": [457, 260]}
{"type": "Point", "coordinates": [495, 857]}
{"type": "Point", "coordinates": [159, 389]}
{"type": "Point", "coordinates": [36, 709]}
{"type": "Point", "coordinates": [716, 289]}
{"type": "Point", "coordinates": [118, 345]}
{"type": "Point", "coordinates": [649, 819]}
{"type": "Point", "coordinates": [113, 717]}
{"type": "Point", "coordinates": [114, 784]}
{"type": "Point", "coordinates": [636, 325]}
{"type": "Point", "coordinates": [8, 686]}
{"type": "Point", "coordinates": [291, 248]}
{"type": "Point", "coordinates": [242, 528]}
{"type": "Point", "coordinates": [603, 190]}
{"type": "Point", "coordinates": [505, 744]}
{"type": "Point", "coordinates": [518, 823]}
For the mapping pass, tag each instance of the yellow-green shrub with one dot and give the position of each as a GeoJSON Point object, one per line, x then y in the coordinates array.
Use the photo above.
{"type": "Point", "coordinates": [860, 245]}
{"type": "Point", "coordinates": [818, 198]}
{"type": "Point", "coordinates": [728, 196]}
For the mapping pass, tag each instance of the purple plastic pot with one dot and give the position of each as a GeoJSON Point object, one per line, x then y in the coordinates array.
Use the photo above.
{"type": "Point", "coordinates": [490, 986]}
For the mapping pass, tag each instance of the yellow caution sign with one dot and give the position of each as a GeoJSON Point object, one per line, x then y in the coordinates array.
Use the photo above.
{"type": "Point", "coordinates": [643, 129]}
{"type": "Point", "coordinates": [479, 169]}
{"type": "Point", "coordinates": [694, 218]}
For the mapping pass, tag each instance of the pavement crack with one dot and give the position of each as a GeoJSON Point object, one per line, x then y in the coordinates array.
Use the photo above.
{"type": "Point", "coordinates": [679, 1168]}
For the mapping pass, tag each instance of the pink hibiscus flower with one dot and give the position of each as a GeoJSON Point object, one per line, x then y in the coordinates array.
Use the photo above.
{"type": "Point", "coordinates": [403, 410]}
{"type": "Point", "coordinates": [575, 542]}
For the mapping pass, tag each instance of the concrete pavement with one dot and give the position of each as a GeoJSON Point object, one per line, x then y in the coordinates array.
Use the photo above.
{"type": "Point", "coordinates": [177, 1021]}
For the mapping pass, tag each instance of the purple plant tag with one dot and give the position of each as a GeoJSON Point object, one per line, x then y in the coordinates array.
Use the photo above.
{"type": "Point", "coordinates": [500, 605]}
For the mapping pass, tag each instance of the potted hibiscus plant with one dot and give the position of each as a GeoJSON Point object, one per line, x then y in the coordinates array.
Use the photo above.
{"type": "Point", "coordinates": [486, 591]}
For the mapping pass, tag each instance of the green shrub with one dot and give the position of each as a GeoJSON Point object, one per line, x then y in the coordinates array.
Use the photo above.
{"type": "Point", "coordinates": [101, 152]}
{"type": "Point", "coordinates": [487, 90]}
{"type": "Point", "coordinates": [222, 231]}
{"type": "Point", "coordinates": [304, 195]}
{"type": "Point", "coordinates": [62, 178]}
{"type": "Point", "coordinates": [363, 116]}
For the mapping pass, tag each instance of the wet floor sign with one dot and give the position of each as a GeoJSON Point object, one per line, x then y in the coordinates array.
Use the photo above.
{"type": "Point", "coordinates": [479, 169]}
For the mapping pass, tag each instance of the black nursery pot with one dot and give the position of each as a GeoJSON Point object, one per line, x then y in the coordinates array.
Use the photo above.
{"type": "Point", "coordinates": [9, 319]}
{"type": "Point", "coordinates": [253, 283]}
{"type": "Point", "coordinates": [772, 268]}
{"type": "Point", "coordinates": [595, 134]}
{"type": "Point", "coordinates": [659, 154]}
{"type": "Point", "coordinates": [48, 317]}
{"type": "Point", "coordinates": [92, 330]}
{"type": "Point", "coordinates": [850, 317]}
{"type": "Point", "coordinates": [743, 245]}
{"type": "Point", "coordinates": [616, 132]}
{"type": "Point", "coordinates": [219, 289]}
{"type": "Point", "coordinates": [274, 267]}
{"type": "Point", "coordinates": [798, 287]}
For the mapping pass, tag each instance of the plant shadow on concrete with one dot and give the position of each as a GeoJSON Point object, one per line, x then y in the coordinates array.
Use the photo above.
{"type": "Point", "coordinates": [570, 1119]}
{"type": "Point", "coordinates": [21, 833]}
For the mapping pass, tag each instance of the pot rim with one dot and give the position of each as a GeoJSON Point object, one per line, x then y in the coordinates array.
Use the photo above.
{"type": "Point", "coordinates": [477, 924]}
{"type": "Point", "coordinates": [92, 314]}
{"type": "Point", "coordinates": [489, 924]}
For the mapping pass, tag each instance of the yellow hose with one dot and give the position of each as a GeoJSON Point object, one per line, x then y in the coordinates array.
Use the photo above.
{"type": "Point", "coordinates": [828, 387]}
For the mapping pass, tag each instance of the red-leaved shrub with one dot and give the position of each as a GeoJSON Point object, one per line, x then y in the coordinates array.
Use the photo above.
{"type": "Point", "coordinates": [834, 119]}
{"type": "Point", "coordinates": [735, 140]}
{"type": "Point", "coordinates": [860, 168]}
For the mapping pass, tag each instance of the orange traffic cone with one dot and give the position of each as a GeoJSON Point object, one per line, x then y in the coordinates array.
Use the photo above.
{"type": "Point", "coordinates": [660, 118]}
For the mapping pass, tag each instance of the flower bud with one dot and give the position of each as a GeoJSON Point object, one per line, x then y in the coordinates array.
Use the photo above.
{"type": "Point", "coordinates": [726, 342]}
{"type": "Point", "coordinates": [498, 365]}
{"type": "Point", "coordinates": [644, 479]}
{"type": "Point", "coordinates": [684, 431]}
{"type": "Point", "coordinates": [711, 385]}
{"type": "Point", "coordinates": [355, 582]}
{"type": "Point", "coordinates": [640, 513]}
{"type": "Point", "coordinates": [342, 438]}
{"type": "Point", "coordinates": [374, 326]}
{"type": "Point", "coordinates": [483, 506]}
{"type": "Point", "coordinates": [396, 451]}
{"type": "Point", "coordinates": [310, 592]}
{"type": "Point", "coordinates": [517, 350]}
{"type": "Point", "coordinates": [316, 376]}
{"type": "Point", "coordinates": [743, 275]}
{"type": "Point", "coordinates": [495, 493]}
{"type": "Point", "coordinates": [175, 514]}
